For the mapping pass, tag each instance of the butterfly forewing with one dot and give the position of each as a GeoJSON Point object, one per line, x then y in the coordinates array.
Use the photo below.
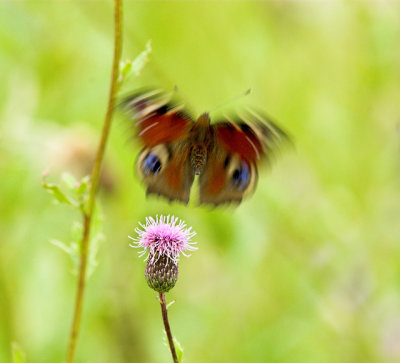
{"type": "Point", "coordinates": [163, 128]}
{"type": "Point", "coordinates": [267, 131]}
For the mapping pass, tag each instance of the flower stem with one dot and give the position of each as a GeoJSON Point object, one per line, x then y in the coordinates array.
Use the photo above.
{"type": "Point", "coordinates": [164, 312]}
{"type": "Point", "coordinates": [88, 214]}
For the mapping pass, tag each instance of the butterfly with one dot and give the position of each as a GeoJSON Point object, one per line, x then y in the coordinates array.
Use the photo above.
{"type": "Point", "coordinates": [224, 154]}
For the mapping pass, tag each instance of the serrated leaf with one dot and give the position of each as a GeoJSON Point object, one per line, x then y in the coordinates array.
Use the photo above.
{"type": "Point", "coordinates": [60, 196]}
{"type": "Point", "coordinates": [82, 193]}
{"type": "Point", "coordinates": [18, 356]}
{"type": "Point", "coordinates": [129, 68]}
{"type": "Point", "coordinates": [140, 61]}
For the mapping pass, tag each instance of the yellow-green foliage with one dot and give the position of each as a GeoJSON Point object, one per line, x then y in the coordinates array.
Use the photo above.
{"type": "Point", "coordinates": [306, 270]}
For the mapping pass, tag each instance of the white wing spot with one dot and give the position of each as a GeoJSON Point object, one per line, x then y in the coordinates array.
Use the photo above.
{"type": "Point", "coordinates": [147, 128]}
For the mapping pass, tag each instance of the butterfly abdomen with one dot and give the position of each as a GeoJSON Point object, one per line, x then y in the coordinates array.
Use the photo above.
{"type": "Point", "coordinates": [198, 157]}
{"type": "Point", "coordinates": [201, 136]}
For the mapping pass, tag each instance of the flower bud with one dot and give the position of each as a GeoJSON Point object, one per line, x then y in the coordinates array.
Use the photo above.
{"type": "Point", "coordinates": [162, 274]}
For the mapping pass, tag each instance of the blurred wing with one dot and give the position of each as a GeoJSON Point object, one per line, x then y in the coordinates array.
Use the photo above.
{"type": "Point", "coordinates": [157, 119]}
{"type": "Point", "coordinates": [163, 128]}
{"type": "Point", "coordinates": [167, 171]}
{"type": "Point", "coordinates": [251, 135]}
{"type": "Point", "coordinates": [226, 177]}
{"type": "Point", "coordinates": [231, 169]}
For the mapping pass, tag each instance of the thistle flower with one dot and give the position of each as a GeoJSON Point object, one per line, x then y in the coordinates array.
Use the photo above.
{"type": "Point", "coordinates": [163, 240]}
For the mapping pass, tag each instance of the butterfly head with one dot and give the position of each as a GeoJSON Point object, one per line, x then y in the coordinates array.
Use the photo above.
{"type": "Point", "coordinates": [201, 129]}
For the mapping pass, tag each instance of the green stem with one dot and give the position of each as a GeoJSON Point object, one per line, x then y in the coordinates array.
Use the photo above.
{"type": "Point", "coordinates": [164, 312]}
{"type": "Point", "coordinates": [88, 215]}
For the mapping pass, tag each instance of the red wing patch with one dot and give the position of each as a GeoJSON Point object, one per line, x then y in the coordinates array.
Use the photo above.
{"type": "Point", "coordinates": [165, 128]}
{"type": "Point", "coordinates": [237, 140]}
{"type": "Point", "coordinates": [174, 174]}
{"type": "Point", "coordinates": [216, 180]}
{"type": "Point", "coordinates": [157, 119]}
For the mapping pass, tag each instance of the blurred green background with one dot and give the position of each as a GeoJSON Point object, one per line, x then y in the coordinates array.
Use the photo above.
{"type": "Point", "coordinates": [306, 270]}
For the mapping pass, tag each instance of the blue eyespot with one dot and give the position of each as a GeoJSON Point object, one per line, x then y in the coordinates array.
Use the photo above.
{"type": "Point", "coordinates": [241, 177]}
{"type": "Point", "coordinates": [151, 164]}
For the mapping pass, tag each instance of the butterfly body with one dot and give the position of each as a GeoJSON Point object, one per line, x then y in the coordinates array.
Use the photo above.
{"type": "Point", "coordinates": [200, 141]}
{"type": "Point", "coordinates": [223, 155]}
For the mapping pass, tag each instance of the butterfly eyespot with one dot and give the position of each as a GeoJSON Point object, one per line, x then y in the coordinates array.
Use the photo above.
{"type": "Point", "coordinates": [163, 109]}
{"type": "Point", "coordinates": [152, 161]}
{"type": "Point", "coordinates": [151, 164]}
{"type": "Point", "coordinates": [241, 177]}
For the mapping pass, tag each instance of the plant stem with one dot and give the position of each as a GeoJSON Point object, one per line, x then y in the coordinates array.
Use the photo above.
{"type": "Point", "coordinates": [88, 214]}
{"type": "Point", "coordinates": [164, 313]}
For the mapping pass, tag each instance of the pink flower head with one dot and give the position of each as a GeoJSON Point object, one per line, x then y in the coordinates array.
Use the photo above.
{"type": "Point", "coordinates": [164, 236]}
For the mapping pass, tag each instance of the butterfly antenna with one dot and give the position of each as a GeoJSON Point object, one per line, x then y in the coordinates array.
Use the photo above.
{"type": "Point", "coordinates": [245, 93]}
{"type": "Point", "coordinates": [181, 100]}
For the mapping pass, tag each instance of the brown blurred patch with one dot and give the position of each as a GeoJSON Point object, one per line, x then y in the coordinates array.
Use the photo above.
{"type": "Point", "coordinates": [74, 152]}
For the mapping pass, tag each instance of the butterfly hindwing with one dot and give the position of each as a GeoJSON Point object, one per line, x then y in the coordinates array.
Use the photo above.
{"type": "Point", "coordinates": [231, 169]}
{"type": "Point", "coordinates": [166, 171]}
{"type": "Point", "coordinates": [163, 129]}
{"type": "Point", "coordinates": [226, 178]}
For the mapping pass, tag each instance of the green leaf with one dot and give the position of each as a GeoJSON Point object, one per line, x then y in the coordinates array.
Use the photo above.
{"type": "Point", "coordinates": [93, 251]}
{"type": "Point", "coordinates": [82, 192]}
{"type": "Point", "coordinates": [72, 250]}
{"type": "Point", "coordinates": [69, 181]}
{"type": "Point", "coordinates": [179, 350]}
{"type": "Point", "coordinates": [83, 186]}
{"type": "Point", "coordinates": [95, 242]}
{"type": "Point", "coordinates": [177, 345]}
{"type": "Point", "coordinates": [140, 61]}
{"type": "Point", "coordinates": [79, 188]}
{"type": "Point", "coordinates": [77, 230]}
{"type": "Point", "coordinates": [18, 356]}
{"type": "Point", "coordinates": [125, 68]}
{"type": "Point", "coordinates": [60, 196]}
{"type": "Point", "coordinates": [129, 68]}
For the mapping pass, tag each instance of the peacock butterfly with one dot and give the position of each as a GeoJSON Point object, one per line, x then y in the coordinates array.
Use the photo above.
{"type": "Point", "coordinates": [224, 154]}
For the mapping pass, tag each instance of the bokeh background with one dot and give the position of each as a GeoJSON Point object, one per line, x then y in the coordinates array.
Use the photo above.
{"type": "Point", "coordinates": [306, 270]}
